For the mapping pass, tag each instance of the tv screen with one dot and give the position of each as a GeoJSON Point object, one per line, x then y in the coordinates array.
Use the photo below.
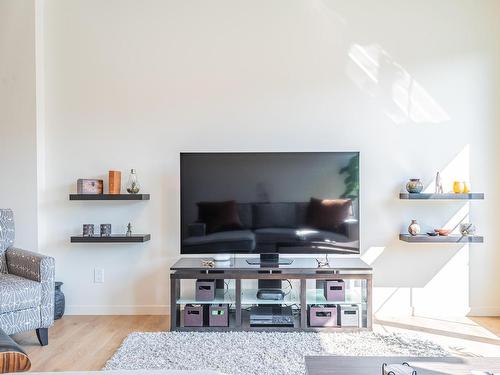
{"type": "Point", "coordinates": [254, 203]}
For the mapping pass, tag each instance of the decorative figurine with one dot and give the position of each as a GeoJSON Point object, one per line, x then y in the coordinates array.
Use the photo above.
{"type": "Point", "coordinates": [439, 184]}
{"type": "Point", "coordinates": [323, 263]}
{"type": "Point", "coordinates": [129, 230]}
{"type": "Point", "coordinates": [458, 187]}
{"type": "Point", "coordinates": [467, 229]}
{"type": "Point", "coordinates": [133, 186]}
{"type": "Point", "coordinates": [209, 263]}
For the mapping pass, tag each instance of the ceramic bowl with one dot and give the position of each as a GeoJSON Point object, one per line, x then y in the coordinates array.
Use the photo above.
{"type": "Point", "coordinates": [443, 232]}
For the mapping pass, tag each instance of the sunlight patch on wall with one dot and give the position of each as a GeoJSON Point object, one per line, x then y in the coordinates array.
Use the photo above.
{"type": "Point", "coordinates": [372, 253]}
{"type": "Point", "coordinates": [391, 301]}
{"type": "Point", "coordinates": [458, 169]}
{"type": "Point", "coordinates": [461, 216]}
{"type": "Point", "coordinates": [400, 96]}
{"type": "Point", "coordinates": [324, 11]}
{"type": "Point", "coordinates": [447, 293]}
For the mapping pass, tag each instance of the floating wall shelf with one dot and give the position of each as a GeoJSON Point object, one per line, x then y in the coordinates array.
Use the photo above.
{"type": "Point", "coordinates": [109, 197]}
{"type": "Point", "coordinates": [114, 238]}
{"type": "Point", "coordinates": [447, 196]}
{"type": "Point", "coordinates": [424, 238]}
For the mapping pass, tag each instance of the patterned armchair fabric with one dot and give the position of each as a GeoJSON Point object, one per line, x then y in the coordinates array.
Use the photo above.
{"type": "Point", "coordinates": [26, 283]}
{"type": "Point", "coordinates": [7, 235]}
{"type": "Point", "coordinates": [17, 293]}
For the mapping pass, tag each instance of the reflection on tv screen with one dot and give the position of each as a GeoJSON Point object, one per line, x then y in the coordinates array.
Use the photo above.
{"type": "Point", "coordinates": [269, 202]}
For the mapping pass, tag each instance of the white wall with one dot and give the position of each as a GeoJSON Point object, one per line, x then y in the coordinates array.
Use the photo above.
{"type": "Point", "coordinates": [18, 153]}
{"type": "Point", "coordinates": [411, 85]}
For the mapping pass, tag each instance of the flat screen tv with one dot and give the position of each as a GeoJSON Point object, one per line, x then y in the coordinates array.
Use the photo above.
{"type": "Point", "coordinates": [270, 203]}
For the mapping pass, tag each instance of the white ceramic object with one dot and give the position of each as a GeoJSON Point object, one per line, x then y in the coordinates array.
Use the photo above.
{"type": "Point", "coordinates": [414, 228]}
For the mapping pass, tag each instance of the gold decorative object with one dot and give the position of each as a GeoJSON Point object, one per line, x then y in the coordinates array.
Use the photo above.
{"type": "Point", "coordinates": [458, 187]}
{"type": "Point", "coordinates": [466, 187]}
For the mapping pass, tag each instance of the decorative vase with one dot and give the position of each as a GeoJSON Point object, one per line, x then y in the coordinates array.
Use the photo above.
{"type": "Point", "coordinates": [414, 186]}
{"type": "Point", "coordinates": [414, 228]}
{"type": "Point", "coordinates": [59, 301]}
{"type": "Point", "coordinates": [133, 186]}
{"type": "Point", "coordinates": [458, 187]}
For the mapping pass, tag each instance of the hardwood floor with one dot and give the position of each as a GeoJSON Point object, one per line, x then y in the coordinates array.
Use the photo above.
{"type": "Point", "coordinates": [78, 343]}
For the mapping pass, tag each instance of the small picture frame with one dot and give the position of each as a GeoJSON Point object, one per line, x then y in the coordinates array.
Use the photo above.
{"type": "Point", "coordinates": [105, 230]}
{"type": "Point", "coordinates": [88, 230]}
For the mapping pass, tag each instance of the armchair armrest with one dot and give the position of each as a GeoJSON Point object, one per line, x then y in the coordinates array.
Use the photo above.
{"type": "Point", "coordinates": [36, 267]}
{"type": "Point", "coordinates": [28, 264]}
{"type": "Point", "coordinates": [197, 229]}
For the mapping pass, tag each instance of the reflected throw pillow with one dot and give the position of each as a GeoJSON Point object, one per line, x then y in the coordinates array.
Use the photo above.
{"type": "Point", "coordinates": [328, 214]}
{"type": "Point", "coordinates": [219, 216]}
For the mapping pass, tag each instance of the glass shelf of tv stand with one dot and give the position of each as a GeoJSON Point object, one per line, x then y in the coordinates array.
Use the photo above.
{"type": "Point", "coordinates": [249, 297]}
{"type": "Point", "coordinates": [221, 297]}
{"type": "Point", "coordinates": [352, 297]}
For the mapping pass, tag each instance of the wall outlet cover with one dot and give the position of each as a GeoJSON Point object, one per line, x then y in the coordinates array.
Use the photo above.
{"type": "Point", "coordinates": [98, 275]}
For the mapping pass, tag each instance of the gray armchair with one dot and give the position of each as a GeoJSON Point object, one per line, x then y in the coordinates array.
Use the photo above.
{"type": "Point", "coordinates": [26, 285]}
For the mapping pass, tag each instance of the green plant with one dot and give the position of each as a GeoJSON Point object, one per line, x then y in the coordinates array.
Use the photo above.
{"type": "Point", "coordinates": [352, 179]}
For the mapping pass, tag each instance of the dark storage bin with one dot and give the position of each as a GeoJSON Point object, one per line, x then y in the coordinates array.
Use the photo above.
{"type": "Point", "coordinates": [194, 315]}
{"type": "Point", "coordinates": [334, 290]}
{"type": "Point", "coordinates": [218, 315]}
{"type": "Point", "coordinates": [323, 316]}
{"type": "Point", "coordinates": [205, 290]}
{"type": "Point", "coordinates": [348, 315]}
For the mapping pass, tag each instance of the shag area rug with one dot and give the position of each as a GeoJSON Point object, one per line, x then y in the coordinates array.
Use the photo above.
{"type": "Point", "coordinates": [257, 353]}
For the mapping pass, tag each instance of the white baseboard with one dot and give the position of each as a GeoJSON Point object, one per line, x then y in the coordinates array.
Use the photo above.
{"type": "Point", "coordinates": [484, 311]}
{"type": "Point", "coordinates": [117, 310]}
{"type": "Point", "coordinates": [165, 310]}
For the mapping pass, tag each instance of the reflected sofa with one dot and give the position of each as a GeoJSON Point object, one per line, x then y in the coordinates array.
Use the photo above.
{"type": "Point", "coordinates": [270, 227]}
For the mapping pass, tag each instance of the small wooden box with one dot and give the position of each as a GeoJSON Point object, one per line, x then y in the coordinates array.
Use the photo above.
{"type": "Point", "coordinates": [89, 186]}
{"type": "Point", "coordinates": [115, 182]}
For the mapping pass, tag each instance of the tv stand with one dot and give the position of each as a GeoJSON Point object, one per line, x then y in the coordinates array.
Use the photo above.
{"type": "Point", "coordinates": [271, 259]}
{"type": "Point", "coordinates": [236, 289]}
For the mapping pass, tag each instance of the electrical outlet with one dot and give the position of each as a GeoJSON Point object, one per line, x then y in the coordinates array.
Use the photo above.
{"type": "Point", "coordinates": [98, 275]}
